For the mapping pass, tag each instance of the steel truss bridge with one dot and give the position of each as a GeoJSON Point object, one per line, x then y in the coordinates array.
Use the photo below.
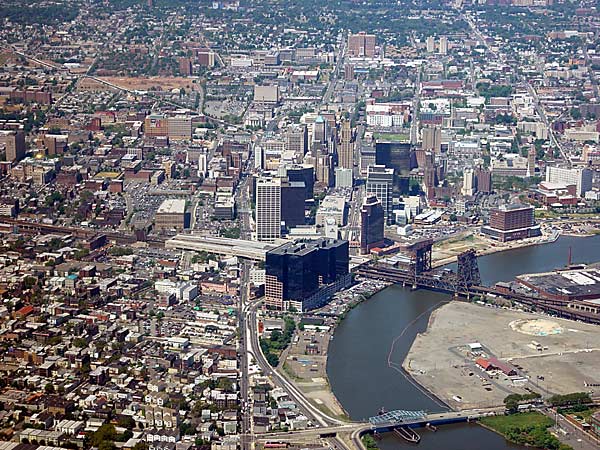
{"type": "Point", "coordinates": [464, 282]}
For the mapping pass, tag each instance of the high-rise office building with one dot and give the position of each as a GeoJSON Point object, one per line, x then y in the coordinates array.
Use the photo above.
{"type": "Point", "coordinates": [279, 203]}
{"type": "Point", "coordinates": [380, 181]}
{"type": "Point", "coordinates": [396, 155]}
{"type": "Point", "coordinates": [344, 178]}
{"type": "Point", "coordinates": [531, 154]}
{"type": "Point", "coordinates": [324, 169]}
{"type": "Point", "coordinates": [468, 187]}
{"type": "Point", "coordinates": [361, 45]}
{"type": "Point", "coordinates": [432, 139]}
{"type": "Point", "coordinates": [349, 72]}
{"type": "Point", "coordinates": [293, 194]}
{"type": "Point", "coordinates": [580, 177]}
{"type": "Point", "coordinates": [346, 152]}
{"type": "Point", "coordinates": [14, 144]}
{"type": "Point", "coordinates": [297, 139]}
{"type": "Point", "coordinates": [305, 274]}
{"type": "Point", "coordinates": [305, 173]}
{"type": "Point", "coordinates": [371, 224]}
{"type": "Point", "coordinates": [202, 164]}
{"type": "Point", "coordinates": [483, 180]}
{"type": "Point", "coordinates": [320, 132]}
{"type": "Point", "coordinates": [268, 209]}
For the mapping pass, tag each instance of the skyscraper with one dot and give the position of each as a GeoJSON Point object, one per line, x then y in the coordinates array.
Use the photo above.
{"type": "Point", "coordinates": [396, 155]}
{"type": "Point", "coordinates": [483, 180]}
{"type": "Point", "coordinates": [279, 203]}
{"type": "Point", "coordinates": [380, 182]}
{"type": "Point", "coordinates": [297, 139]}
{"type": "Point", "coordinates": [268, 209]}
{"type": "Point", "coordinates": [292, 202]}
{"type": "Point", "coordinates": [432, 139]}
{"type": "Point", "coordinates": [531, 154]}
{"type": "Point", "coordinates": [371, 224]}
{"type": "Point", "coordinates": [349, 72]}
{"type": "Point", "coordinates": [468, 187]}
{"type": "Point", "coordinates": [346, 153]}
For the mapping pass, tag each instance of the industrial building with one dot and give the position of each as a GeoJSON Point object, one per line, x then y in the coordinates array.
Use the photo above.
{"type": "Point", "coordinates": [568, 285]}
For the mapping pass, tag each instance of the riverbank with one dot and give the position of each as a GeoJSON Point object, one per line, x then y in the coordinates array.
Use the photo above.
{"type": "Point", "coordinates": [445, 252]}
{"type": "Point", "coordinates": [529, 428]}
{"type": "Point", "coordinates": [547, 355]}
{"type": "Point", "coordinates": [304, 362]}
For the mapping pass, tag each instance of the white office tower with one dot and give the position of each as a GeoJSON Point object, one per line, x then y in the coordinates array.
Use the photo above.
{"type": "Point", "coordinates": [582, 178]}
{"type": "Point", "coordinates": [343, 178]}
{"type": "Point", "coordinates": [468, 188]}
{"type": "Point", "coordinates": [259, 157]}
{"type": "Point", "coordinates": [443, 45]}
{"type": "Point", "coordinates": [202, 165]}
{"type": "Point", "coordinates": [268, 209]}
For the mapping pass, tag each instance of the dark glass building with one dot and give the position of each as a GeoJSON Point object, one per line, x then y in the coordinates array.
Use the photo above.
{"type": "Point", "coordinates": [296, 271]}
{"type": "Point", "coordinates": [372, 220]}
{"type": "Point", "coordinates": [303, 173]}
{"type": "Point", "coordinates": [292, 203]}
{"type": "Point", "coordinates": [395, 155]}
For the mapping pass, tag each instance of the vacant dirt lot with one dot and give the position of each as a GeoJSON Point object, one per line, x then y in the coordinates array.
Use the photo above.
{"type": "Point", "coordinates": [550, 356]}
{"type": "Point", "coordinates": [150, 83]}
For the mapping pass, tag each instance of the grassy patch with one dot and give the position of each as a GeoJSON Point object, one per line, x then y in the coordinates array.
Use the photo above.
{"type": "Point", "coordinates": [391, 137]}
{"type": "Point", "coordinates": [529, 428]}
{"type": "Point", "coordinates": [290, 373]}
{"type": "Point", "coordinates": [369, 442]}
{"type": "Point", "coordinates": [583, 414]}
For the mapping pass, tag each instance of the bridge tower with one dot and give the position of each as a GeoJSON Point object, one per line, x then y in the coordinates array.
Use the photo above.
{"type": "Point", "coordinates": [467, 272]}
{"type": "Point", "coordinates": [420, 253]}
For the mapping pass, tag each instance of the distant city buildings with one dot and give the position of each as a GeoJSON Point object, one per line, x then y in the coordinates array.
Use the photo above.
{"type": "Point", "coordinates": [361, 45]}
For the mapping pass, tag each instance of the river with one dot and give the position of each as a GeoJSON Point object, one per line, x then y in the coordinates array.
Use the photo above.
{"type": "Point", "coordinates": [385, 327]}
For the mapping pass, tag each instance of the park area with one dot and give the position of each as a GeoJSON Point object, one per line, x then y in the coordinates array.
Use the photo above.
{"type": "Point", "coordinates": [530, 428]}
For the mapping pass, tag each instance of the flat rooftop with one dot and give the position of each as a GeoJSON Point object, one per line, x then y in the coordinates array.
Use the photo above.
{"type": "Point", "coordinates": [221, 246]}
{"type": "Point", "coordinates": [579, 283]}
{"type": "Point", "coordinates": [172, 206]}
